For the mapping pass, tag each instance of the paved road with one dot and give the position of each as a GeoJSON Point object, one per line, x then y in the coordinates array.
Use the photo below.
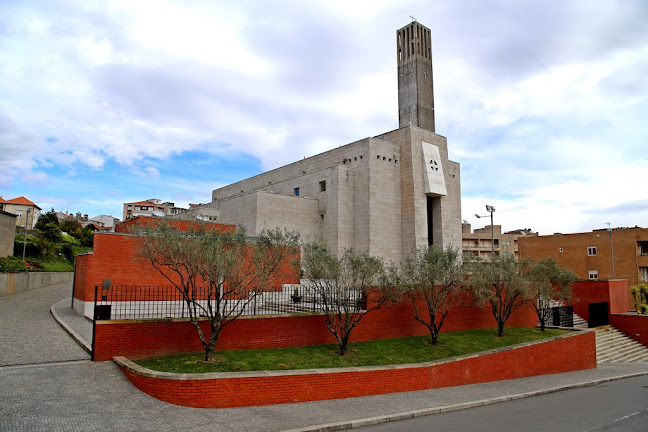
{"type": "Point", "coordinates": [614, 406]}
{"type": "Point", "coordinates": [28, 334]}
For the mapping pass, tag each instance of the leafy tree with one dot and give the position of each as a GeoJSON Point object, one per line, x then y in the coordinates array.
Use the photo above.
{"type": "Point", "coordinates": [87, 237]}
{"type": "Point", "coordinates": [48, 225]}
{"type": "Point", "coordinates": [549, 283]}
{"type": "Point", "coordinates": [502, 284]}
{"type": "Point", "coordinates": [72, 227]}
{"type": "Point", "coordinates": [346, 288]}
{"type": "Point", "coordinates": [431, 277]}
{"type": "Point", "coordinates": [230, 269]}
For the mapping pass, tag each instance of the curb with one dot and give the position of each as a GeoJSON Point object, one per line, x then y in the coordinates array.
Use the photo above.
{"type": "Point", "coordinates": [69, 330]}
{"type": "Point", "coordinates": [350, 424]}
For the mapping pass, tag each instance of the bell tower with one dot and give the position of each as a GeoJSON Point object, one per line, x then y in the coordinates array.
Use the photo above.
{"type": "Point", "coordinates": [415, 85]}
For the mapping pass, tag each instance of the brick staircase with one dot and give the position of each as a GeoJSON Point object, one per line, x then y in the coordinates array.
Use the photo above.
{"type": "Point", "coordinates": [612, 346]}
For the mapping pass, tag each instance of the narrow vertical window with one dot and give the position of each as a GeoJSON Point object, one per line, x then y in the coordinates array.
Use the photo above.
{"type": "Point", "coordinates": [322, 186]}
{"type": "Point", "coordinates": [296, 191]}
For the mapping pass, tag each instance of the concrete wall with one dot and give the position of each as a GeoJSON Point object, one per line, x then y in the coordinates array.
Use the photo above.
{"type": "Point", "coordinates": [7, 233]}
{"type": "Point", "coordinates": [12, 283]}
{"type": "Point", "coordinates": [375, 197]}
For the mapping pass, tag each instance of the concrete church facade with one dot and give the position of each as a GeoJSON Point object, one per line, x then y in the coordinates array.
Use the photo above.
{"type": "Point", "coordinates": [386, 195]}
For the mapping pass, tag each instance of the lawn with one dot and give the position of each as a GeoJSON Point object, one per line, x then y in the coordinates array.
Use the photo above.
{"type": "Point", "coordinates": [413, 349]}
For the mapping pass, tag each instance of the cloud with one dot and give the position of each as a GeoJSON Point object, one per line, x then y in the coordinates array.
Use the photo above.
{"type": "Point", "coordinates": [544, 107]}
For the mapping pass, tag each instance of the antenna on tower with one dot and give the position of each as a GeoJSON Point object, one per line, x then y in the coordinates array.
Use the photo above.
{"type": "Point", "coordinates": [413, 19]}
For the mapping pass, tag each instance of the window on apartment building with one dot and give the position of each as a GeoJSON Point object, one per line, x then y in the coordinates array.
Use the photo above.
{"type": "Point", "coordinates": [323, 186]}
{"type": "Point", "coordinates": [296, 191]}
{"type": "Point", "coordinates": [643, 248]}
{"type": "Point", "coordinates": [19, 212]}
{"type": "Point", "coordinates": [593, 274]}
{"type": "Point", "coordinates": [129, 207]}
{"type": "Point", "coordinates": [591, 251]}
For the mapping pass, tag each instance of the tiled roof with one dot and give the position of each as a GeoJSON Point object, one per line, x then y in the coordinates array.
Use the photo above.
{"type": "Point", "coordinates": [21, 200]}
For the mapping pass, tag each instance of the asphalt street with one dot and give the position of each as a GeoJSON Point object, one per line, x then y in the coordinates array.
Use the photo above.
{"type": "Point", "coordinates": [613, 406]}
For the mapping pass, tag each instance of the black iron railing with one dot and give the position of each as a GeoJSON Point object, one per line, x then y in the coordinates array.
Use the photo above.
{"type": "Point", "coordinates": [146, 302]}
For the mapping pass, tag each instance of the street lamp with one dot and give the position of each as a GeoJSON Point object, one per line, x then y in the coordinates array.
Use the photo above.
{"type": "Point", "coordinates": [611, 248]}
{"type": "Point", "coordinates": [491, 210]}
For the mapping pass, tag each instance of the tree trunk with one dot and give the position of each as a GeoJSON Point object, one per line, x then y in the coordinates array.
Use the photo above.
{"type": "Point", "coordinates": [542, 325]}
{"type": "Point", "coordinates": [344, 345]}
{"type": "Point", "coordinates": [434, 336]}
{"type": "Point", "coordinates": [500, 329]}
{"type": "Point", "coordinates": [209, 354]}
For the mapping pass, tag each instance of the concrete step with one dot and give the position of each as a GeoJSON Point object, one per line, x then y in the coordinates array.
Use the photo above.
{"type": "Point", "coordinates": [632, 358]}
{"type": "Point", "coordinates": [623, 351]}
{"type": "Point", "coordinates": [612, 346]}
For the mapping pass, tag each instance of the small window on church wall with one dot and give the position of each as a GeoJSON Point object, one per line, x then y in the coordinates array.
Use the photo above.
{"type": "Point", "coordinates": [296, 191]}
{"type": "Point", "coordinates": [323, 186]}
{"type": "Point", "coordinates": [591, 250]}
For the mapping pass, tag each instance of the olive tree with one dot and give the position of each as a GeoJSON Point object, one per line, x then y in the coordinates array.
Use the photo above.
{"type": "Point", "coordinates": [549, 283]}
{"type": "Point", "coordinates": [501, 284]}
{"type": "Point", "coordinates": [217, 273]}
{"type": "Point", "coordinates": [431, 277]}
{"type": "Point", "coordinates": [346, 288]}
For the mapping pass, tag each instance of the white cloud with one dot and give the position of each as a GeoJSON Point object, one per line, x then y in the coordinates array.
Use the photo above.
{"type": "Point", "coordinates": [544, 108]}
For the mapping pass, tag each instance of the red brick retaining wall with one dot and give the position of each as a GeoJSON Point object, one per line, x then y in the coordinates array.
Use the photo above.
{"type": "Point", "coordinates": [146, 338]}
{"type": "Point", "coordinates": [575, 351]}
{"type": "Point", "coordinates": [613, 292]}
{"type": "Point", "coordinates": [632, 325]}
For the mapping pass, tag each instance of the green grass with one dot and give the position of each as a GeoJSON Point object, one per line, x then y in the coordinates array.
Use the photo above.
{"type": "Point", "coordinates": [414, 349]}
{"type": "Point", "coordinates": [55, 265]}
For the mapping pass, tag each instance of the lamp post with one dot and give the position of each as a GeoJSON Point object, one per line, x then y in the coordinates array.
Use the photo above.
{"type": "Point", "coordinates": [491, 210]}
{"type": "Point", "coordinates": [25, 232]}
{"type": "Point", "coordinates": [611, 248]}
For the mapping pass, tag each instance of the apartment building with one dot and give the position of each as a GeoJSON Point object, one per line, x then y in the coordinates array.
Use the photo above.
{"type": "Point", "coordinates": [482, 242]}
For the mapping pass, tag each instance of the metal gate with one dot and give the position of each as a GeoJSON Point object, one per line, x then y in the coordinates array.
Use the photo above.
{"type": "Point", "coordinates": [563, 316]}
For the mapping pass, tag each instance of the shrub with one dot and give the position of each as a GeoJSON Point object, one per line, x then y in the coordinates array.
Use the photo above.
{"type": "Point", "coordinates": [12, 265]}
{"type": "Point", "coordinates": [640, 294]}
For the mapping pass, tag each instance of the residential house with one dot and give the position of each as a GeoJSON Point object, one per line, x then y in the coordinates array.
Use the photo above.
{"type": "Point", "coordinates": [27, 213]}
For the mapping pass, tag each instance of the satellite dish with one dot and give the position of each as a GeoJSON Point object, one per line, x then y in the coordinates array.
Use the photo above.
{"type": "Point", "coordinates": [158, 214]}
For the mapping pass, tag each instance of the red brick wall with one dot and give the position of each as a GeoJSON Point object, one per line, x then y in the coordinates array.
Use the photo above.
{"type": "Point", "coordinates": [634, 326]}
{"type": "Point", "coordinates": [613, 292]}
{"type": "Point", "coordinates": [114, 257]}
{"type": "Point", "coordinates": [575, 352]}
{"type": "Point", "coordinates": [182, 225]}
{"type": "Point", "coordinates": [158, 337]}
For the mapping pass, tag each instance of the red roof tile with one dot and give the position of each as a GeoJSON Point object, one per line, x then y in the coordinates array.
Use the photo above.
{"type": "Point", "coordinates": [21, 200]}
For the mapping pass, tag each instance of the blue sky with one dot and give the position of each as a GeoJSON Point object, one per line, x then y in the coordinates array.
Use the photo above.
{"type": "Point", "coordinates": [544, 104]}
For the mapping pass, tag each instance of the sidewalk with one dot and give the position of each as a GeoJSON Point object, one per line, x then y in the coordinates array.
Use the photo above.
{"type": "Point", "coordinates": [355, 412]}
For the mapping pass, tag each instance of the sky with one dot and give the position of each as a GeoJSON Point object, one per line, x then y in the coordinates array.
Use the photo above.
{"type": "Point", "coordinates": [544, 103]}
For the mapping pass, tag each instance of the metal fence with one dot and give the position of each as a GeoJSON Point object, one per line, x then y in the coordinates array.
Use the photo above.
{"type": "Point", "coordinates": [146, 302]}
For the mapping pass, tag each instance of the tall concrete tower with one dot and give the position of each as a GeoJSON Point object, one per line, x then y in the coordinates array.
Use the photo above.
{"type": "Point", "coordinates": [415, 89]}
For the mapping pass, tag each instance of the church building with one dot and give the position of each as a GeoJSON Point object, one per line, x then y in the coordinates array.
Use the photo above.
{"type": "Point", "coordinates": [386, 194]}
